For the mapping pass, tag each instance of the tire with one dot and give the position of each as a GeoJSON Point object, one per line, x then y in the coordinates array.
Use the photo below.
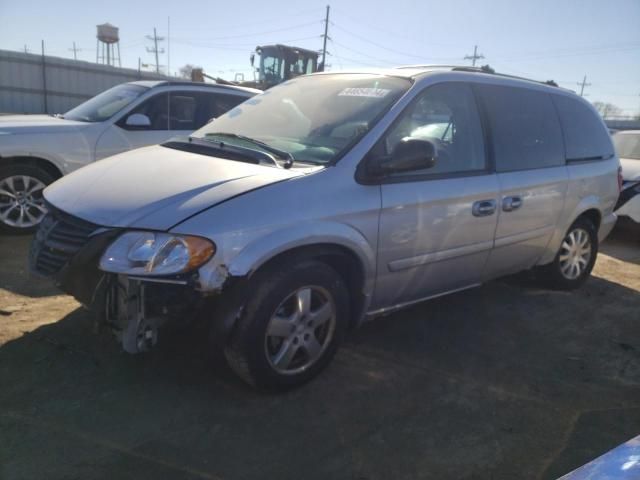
{"type": "Point", "coordinates": [21, 202]}
{"type": "Point", "coordinates": [560, 274]}
{"type": "Point", "coordinates": [275, 344]}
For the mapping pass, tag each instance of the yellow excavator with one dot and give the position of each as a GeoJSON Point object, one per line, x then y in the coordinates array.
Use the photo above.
{"type": "Point", "coordinates": [277, 63]}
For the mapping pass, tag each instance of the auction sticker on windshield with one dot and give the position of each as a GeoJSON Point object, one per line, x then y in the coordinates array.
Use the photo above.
{"type": "Point", "coordinates": [364, 92]}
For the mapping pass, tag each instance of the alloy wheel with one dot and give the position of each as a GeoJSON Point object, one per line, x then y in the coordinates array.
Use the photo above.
{"type": "Point", "coordinates": [21, 201]}
{"type": "Point", "coordinates": [575, 253]}
{"type": "Point", "coordinates": [300, 330]}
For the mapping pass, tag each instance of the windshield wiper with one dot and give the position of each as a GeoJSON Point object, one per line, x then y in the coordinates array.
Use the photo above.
{"type": "Point", "coordinates": [235, 152]}
{"type": "Point", "coordinates": [276, 151]}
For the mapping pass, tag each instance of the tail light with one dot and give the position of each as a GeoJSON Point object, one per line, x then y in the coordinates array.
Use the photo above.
{"type": "Point", "coordinates": [620, 179]}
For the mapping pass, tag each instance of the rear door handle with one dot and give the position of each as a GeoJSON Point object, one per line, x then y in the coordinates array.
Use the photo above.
{"type": "Point", "coordinates": [509, 204]}
{"type": "Point", "coordinates": [483, 208]}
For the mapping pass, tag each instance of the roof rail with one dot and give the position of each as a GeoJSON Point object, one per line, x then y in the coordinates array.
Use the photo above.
{"type": "Point", "coordinates": [491, 71]}
{"type": "Point", "coordinates": [483, 69]}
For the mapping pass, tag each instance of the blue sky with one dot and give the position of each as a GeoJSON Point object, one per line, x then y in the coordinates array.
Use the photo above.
{"type": "Point", "coordinates": [542, 39]}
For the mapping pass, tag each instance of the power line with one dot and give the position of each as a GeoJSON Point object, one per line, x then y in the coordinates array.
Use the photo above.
{"type": "Point", "coordinates": [262, 22]}
{"type": "Point", "coordinates": [357, 62]}
{"type": "Point", "coordinates": [571, 53]}
{"type": "Point", "coordinates": [383, 47]}
{"type": "Point", "coordinates": [379, 29]}
{"type": "Point", "coordinates": [255, 34]}
{"type": "Point", "coordinates": [357, 52]}
{"type": "Point", "coordinates": [475, 56]}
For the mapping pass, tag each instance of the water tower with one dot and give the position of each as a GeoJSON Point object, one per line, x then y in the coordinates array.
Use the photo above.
{"type": "Point", "coordinates": [108, 42]}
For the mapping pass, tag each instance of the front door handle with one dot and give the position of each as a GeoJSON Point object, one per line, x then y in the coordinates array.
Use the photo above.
{"type": "Point", "coordinates": [483, 208]}
{"type": "Point", "coordinates": [509, 204]}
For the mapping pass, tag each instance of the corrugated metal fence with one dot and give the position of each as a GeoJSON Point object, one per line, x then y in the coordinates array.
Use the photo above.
{"type": "Point", "coordinates": [31, 83]}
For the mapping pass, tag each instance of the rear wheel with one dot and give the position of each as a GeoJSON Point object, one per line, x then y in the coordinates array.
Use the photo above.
{"type": "Point", "coordinates": [21, 202]}
{"type": "Point", "coordinates": [576, 257]}
{"type": "Point", "coordinates": [291, 326]}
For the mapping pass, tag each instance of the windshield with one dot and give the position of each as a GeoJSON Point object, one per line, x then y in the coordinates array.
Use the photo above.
{"type": "Point", "coordinates": [313, 118]}
{"type": "Point", "coordinates": [627, 145]}
{"type": "Point", "coordinates": [105, 105]}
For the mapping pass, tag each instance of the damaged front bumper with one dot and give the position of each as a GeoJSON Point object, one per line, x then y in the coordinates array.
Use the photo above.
{"type": "Point", "coordinates": [67, 250]}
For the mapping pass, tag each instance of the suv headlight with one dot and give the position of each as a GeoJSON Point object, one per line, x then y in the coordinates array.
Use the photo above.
{"type": "Point", "coordinates": [155, 253]}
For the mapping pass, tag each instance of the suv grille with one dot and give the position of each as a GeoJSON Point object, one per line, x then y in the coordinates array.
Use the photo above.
{"type": "Point", "coordinates": [60, 236]}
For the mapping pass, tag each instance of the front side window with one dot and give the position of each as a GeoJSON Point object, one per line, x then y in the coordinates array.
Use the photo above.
{"type": "Point", "coordinates": [183, 111]}
{"type": "Point", "coordinates": [156, 109]}
{"type": "Point", "coordinates": [627, 145]}
{"type": "Point", "coordinates": [445, 115]}
{"type": "Point", "coordinates": [312, 118]}
{"type": "Point", "coordinates": [107, 104]}
{"type": "Point", "coordinates": [524, 126]}
{"type": "Point", "coordinates": [190, 110]}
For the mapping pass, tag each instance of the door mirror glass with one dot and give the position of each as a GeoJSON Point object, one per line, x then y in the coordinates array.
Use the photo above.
{"type": "Point", "coordinates": [138, 120]}
{"type": "Point", "coordinates": [408, 155]}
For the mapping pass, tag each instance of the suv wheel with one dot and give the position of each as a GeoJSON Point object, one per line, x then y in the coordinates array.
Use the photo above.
{"type": "Point", "coordinates": [21, 201]}
{"type": "Point", "coordinates": [291, 326]}
{"type": "Point", "coordinates": [576, 257]}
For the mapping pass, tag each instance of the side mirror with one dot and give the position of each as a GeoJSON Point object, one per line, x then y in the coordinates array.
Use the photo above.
{"type": "Point", "coordinates": [410, 154]}
{"type": "Point", "coordinates": [138, 120]}
{"type": "Point", "coordinates": [211, 119]}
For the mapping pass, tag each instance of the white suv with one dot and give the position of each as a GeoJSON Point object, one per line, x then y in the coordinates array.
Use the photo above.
{"type": "Point", "coordinates": [36, 150]}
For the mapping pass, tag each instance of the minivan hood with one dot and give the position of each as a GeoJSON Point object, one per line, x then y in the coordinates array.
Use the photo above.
{"type": "Point", "coordinates": [630, 168]}
{"type": "Point", "coordinates": [156, 187]}
{"type": "Point", "coordinates": [17, 124]}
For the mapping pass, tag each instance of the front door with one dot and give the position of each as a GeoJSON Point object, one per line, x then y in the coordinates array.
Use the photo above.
{"type": "Point", "coordinates": [120, 137]}
{"type": "Point", "coordinates": [437, 225]}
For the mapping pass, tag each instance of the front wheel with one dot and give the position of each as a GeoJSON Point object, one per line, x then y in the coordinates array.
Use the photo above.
{"type": "Point", "coordinates": [291, 326]}
{"type": "Point", "coordinates": [576, 257]}
{"type": "Point", "coordinates": [21, 202]}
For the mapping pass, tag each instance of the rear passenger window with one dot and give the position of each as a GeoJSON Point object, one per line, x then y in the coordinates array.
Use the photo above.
{"type": "Point", "coordinates": [585, 135]}
{"type": "Point", "coordinates": [190, 110]}
{"type": "Point", "coordinates": [524, 126]}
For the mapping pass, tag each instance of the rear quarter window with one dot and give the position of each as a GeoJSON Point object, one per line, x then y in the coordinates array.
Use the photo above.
{"type": "Point", "coordinates": [524, 126]}
{"type": "Point", "coordinates": [586, 137]}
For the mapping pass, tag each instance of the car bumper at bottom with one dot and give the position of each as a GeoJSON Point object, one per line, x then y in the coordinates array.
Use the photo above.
{"type": "Point", "coordinates": [67, 251]}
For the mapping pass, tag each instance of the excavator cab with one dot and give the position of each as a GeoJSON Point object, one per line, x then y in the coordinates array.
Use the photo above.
{"type": "Point", "coordinates": [279, 63]}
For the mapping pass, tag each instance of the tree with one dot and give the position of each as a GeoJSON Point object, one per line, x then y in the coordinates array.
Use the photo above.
{"type": "Point", "coordinates": [185, 71]}
{"type": "Point", "coordinates": [607, 109]}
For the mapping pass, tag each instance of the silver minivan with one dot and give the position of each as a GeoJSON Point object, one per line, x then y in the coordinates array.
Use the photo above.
{"type": "Point", "coordinates": [328, 200]}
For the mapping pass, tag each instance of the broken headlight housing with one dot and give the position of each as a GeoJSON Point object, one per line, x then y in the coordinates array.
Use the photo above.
{"type": "Point", "coordinates": [156, 253]}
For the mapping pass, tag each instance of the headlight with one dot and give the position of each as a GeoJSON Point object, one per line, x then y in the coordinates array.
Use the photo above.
{"type": "Point", "coordinates": [154, 253]}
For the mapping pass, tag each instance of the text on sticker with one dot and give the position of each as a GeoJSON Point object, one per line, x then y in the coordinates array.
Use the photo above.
{"type": "Point", "coordinates": [364, 92]}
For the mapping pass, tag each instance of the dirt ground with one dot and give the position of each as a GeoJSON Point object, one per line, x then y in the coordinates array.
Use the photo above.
{"type": "Point", "coordinates": [506, 381]}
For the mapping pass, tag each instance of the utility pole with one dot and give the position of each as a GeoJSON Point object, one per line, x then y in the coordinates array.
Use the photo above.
{"type": "Point", "coordinates": [169, 46]}
{"type": "Point", "coordinates": [583, 84]}
{"type": "Point", "coordinates": [155, 50]}
{"type": "Point", "coordinates": [324, 38]}
{"type": "Point", "coordinates": [474, 57]}
{"type": "Point", "coordinates": [26, 50]}
{"type": "Point", "coordinates": [75, 51]}
{"type": "Point", "coordinates": [44, 81]}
